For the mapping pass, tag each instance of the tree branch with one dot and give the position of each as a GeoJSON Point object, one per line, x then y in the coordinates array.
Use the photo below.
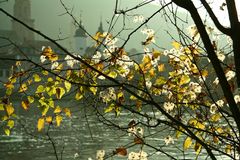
{"type": "Point", "coordinates": [219, 26]}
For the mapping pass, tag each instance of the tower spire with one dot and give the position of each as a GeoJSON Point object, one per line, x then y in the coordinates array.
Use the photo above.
{"type": "Point", "coordinates": [80, 38]}
{"type": "Point", "coordinates": [100, 28]}
{"type": "Point", "coordinates": [22, 11]}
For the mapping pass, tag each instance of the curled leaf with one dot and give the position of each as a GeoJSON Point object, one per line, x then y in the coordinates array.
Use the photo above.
{"type": "Point", "coordinates": [121, 151]}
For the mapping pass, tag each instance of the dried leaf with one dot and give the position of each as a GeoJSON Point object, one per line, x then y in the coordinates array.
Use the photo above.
{"type": "Point", "coordinates": [121, 151]}
{"type": "Point", "coordinates": [25, 104]}
{"type": "Point", "coordinates": [60, 92]}
{"type": "Point", "coordinates": [138, 140]}
{"type": "Point", "coordinates": [67, 112]}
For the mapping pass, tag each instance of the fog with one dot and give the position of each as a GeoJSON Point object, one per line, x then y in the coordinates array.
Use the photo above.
{"type": "Point", "coordinates": [50, 18]}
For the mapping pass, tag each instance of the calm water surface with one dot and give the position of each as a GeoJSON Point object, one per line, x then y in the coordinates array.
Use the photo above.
{"type": "Point", "coordinates": [80, 137]}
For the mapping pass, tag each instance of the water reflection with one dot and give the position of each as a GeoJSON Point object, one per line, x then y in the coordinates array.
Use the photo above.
{"type": "Point", "coordinates": [79, 138]}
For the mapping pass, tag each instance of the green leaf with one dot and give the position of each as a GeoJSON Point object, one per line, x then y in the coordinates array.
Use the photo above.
{"type": "Point", "coordinates": [9, 91]}
{"type": "Point", "coordinates": [2, 107]}
{"type": "Point", "coordinates": [7, 131]}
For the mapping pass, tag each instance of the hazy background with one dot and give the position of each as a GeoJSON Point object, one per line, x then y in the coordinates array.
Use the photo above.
{"type": "Point", "coordinates": [49, 18]}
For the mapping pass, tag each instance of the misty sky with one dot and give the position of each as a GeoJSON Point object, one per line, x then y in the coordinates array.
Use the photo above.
{"type": "Point", "coordinates": [48, 20]}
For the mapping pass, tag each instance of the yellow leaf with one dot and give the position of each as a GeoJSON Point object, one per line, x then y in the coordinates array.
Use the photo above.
{"type": "Point", "coordinates": [40, 124]}
{"type": "Point", "coordinates": [93, 90]}
{"type": "Point", "coordinates": [7, 131]}
{"type": "Point", "coordinates": [109, 108]}
{"type": "Point", "coordinates": [204, 73]}
{"type": "Point", "coordinates": [37, 78]}
{"type": "Point", "coordinates": [156, 53]}
{"type": "Point", "coordinates": [23, 87]}
{"type": "Point", "coordinates": [176, 45]}
{"type": "Point", "coordinates": [146, 59]}
{"type": "Point", "coordinates": [57, 110]}
{"type": "Point", "coordinates": [133, 97]}
{"type": "Point", "coordinates": [196, 124]}
{"type": "Point", "coordinates": [9, 109]}
{"type": "Point", "coordinates": [184, 79]}
{"type": "Point", "coordinates": [112, 74]}
{"type": "Point", "coordinates": [58, 120]}
{"type": "Point", "coordinates": [152, 72]}
{"type": "Point", "coordinates": [197, 148]}
{"type": "Point", "coordinates": [9, 85]}
{"type": "Point", "coordinates": [187, 143]}
{"type": "Point", "coordinates": [44, 72]}
{"type": "Point", "coordinates": [216, 117]}
{"type": "Point", "coordinates": [49, 119]}
{"type": "Point", "coordinates": [30, 99]}
{"type": "Point", "coordinates": [78, 95]}
{"type": "Point", "coordinates": [2, 107]}
{"type": "Point", "coordinates": [228, 149]}
{"type": "Point", "coordinates": [53, 57]}
{"type": "Point", "coordinates": [60, 92]}
{"type": "Point", "coordinates": [67, 112]}
{"type": "Point", "coordinates": [10, 123]}
{"type": "Point", "coordinates": [44, 110]}
{"type": "Point", "coordinates": [25, 104]}
{"type": "Point", "coordinates": [160, 81]}
{"type": "Point", "coordinates": [161, 67]}
{"type": "Point", "coordinates": [40, 89]}
{"type": "Point", "coordinates": [67, 86]}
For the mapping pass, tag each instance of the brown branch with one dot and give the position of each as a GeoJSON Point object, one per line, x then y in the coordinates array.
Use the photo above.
{"type": "Point", "coordinates": [189, 6]}
{"type": "Point", "coordinates": [215, 20]}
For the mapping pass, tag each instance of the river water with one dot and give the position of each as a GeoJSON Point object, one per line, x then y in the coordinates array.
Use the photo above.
{"type": "Point", "coordinates": [81, 136]}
